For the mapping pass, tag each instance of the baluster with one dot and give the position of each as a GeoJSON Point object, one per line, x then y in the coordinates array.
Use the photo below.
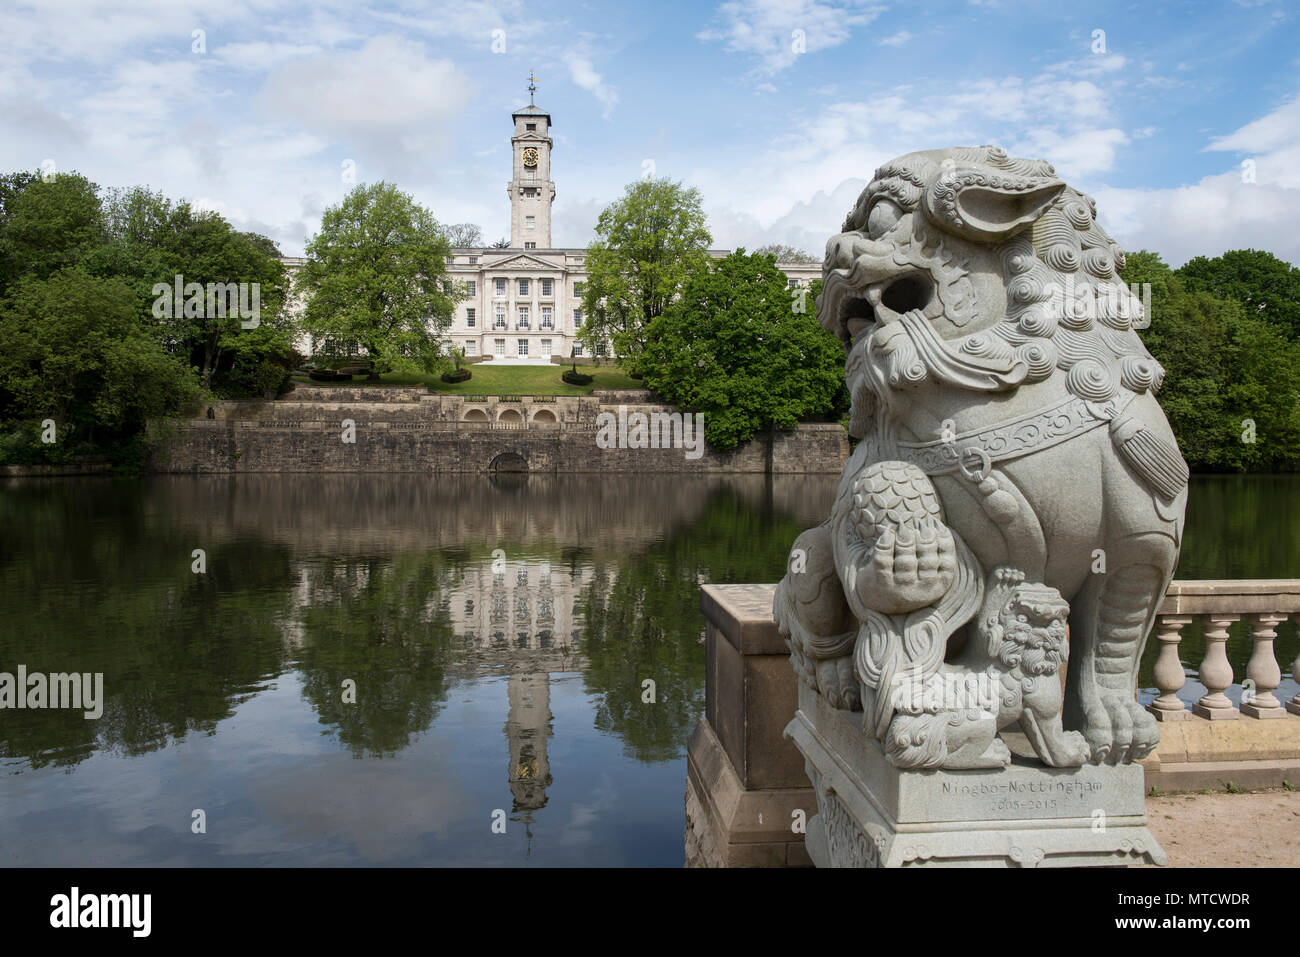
{"type": "Point", "coordinates": [1262, 669]}
{"type": "Point", "coordinates": [1294, 704]}
{"type": "Point", "coordinates": [1216, 670]}
{"type": "Point", "coordinates": [1169, 674]}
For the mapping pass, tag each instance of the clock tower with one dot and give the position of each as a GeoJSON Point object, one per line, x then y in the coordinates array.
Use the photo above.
{"type": "Point", "coordinates": [531, 189]}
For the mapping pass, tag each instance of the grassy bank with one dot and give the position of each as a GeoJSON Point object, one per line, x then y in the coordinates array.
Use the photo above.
{"type": "Point", "coordinates": [503, 380]}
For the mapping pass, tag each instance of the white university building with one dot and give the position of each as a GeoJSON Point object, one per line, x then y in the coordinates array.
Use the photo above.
{"type": "Point", "coordinates": [525, 301]}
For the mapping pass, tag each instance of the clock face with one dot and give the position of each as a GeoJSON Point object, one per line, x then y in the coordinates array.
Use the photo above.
{"type": "Point", "coordinates": [530, 156]}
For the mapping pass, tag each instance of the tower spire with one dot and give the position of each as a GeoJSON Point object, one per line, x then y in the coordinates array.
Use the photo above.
{"type": "Point", "coordinates": [532, 87]}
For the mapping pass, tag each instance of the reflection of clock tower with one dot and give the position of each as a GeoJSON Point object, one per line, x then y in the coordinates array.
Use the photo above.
{"type": "Point", "coordinates": [531, 190]}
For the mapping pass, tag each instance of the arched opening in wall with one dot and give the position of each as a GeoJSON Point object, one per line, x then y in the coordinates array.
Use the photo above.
{"type": "Point", "coordinates": [510, 417]}
{"type": "Point", "coordinates": [509, 462]}
{"type": "Point", "coordinates": [476, 415]}
{"type": "Point", "coordinates": [545, 418]}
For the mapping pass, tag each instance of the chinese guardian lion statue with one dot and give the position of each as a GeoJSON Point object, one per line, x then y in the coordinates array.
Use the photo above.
{"type": "Point", "coordinates": [1014, 473]}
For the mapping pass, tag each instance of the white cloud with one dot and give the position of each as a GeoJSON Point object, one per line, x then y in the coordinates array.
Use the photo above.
{"type": "Point", "coordinates": [896, 40]}
{"type": "Point", "coordinates": [779, 31]}
{"type": "Point", "coordinates": [1272, 131]}
{"type": "Point", "coordinates": [1076, 155]}
{"type": "Point", "coordinates": [260, 56]}
{"type": "Point", "coordinates": [584, 75]}
{"type": "Point", "coordinates": [1245, 207]}
{"type": "Point", "coordinates": [386, 101]}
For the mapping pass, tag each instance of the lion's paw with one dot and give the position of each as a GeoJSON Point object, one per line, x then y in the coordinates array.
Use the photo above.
{"type": "Point", "coordinates": [1076, 751]}
{"type": "Point", "coordinates": [1146, 732]}
{"type": "Point", "coordinates": [836, 682]}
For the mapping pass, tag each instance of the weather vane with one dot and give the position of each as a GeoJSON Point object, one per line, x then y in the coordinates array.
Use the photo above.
{"type": "Point", "coordinates": [532, 87]}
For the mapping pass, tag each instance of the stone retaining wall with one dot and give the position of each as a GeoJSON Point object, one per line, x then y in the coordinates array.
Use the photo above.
{"type": "Point", "coordinates": [412, 430]}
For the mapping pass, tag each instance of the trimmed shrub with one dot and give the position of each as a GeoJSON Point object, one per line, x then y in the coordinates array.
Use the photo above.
{"type": "Point", "coordinates": [458, 375]}
{"type": "Point", "coordinates": [576, 378]}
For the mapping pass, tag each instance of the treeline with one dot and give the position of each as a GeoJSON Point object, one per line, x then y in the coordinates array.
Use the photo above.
{"type": "Point", "coordinates": [1227, 331]}
{"type": "Point", "coordinates": [90, 351]}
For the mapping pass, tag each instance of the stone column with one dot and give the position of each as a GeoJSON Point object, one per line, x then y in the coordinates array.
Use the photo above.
{"type": "Point", "coordinates": [1216, 670]}
{"type": "Point", "coordinates": [745, 782]}
{"type": "Point", "coordinates": [1262, 669]}
{"type": "Point", "coordinates": [1169, 674]}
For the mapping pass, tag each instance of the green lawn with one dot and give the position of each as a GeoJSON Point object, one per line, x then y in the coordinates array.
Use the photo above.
{"type": "Point", "coordinates": [504, 380]}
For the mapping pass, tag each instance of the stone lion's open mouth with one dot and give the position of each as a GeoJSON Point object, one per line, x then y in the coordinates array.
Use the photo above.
{"type": "Point", "coordinates": [852, 310]}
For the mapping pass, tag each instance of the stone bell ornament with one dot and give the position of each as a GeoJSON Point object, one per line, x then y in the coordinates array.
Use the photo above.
{"type": "Point", "coordinates": [1008, 434]}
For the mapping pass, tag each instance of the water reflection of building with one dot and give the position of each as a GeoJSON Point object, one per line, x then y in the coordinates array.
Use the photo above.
{"type": "Point", "coordinates": [518, 615]}
{"type": "Point", "coordinates": [528, 730]}
{"type": "Point", "coordinates": [522, 619]}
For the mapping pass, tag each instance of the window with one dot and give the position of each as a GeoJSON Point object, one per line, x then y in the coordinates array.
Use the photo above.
{"type": "Point", "coordinates": [523, 317]}
{"type": "Point", "coordinates": [577, 288]}
{"type": "Point", "coordinates": [501, 317]}
{"type": "Point", "coordinates": [523, 347]}
{"type": "Point", "coordinates": [473, 260]}
{"type": "Point", "coordinates": [791, 283]}
{"type": "Point", "coordinates": [530, 126]}
{"type": "Point", "coordinates": [577, 318]}
{"type": "Point", "coordinates": [451, 260]}
{"type": "Point", "coordinates": [499, 347]}
{"type": "Point", "coordinates": [469, 318]}
{"type": "Point", "coordinates": [471, 347]}
{"type": "Point", "coordinates": [523, 287]}
{"type": "Point", "coordinates": [446, 287]}
{"type": "Point", "coordinates": [530, 245]}
{"type": "Point", "coordinates": [473, 287]}
{"type": "Point", "coordinates": [600, 347]}
{"type": "Point", "coordinates": [530, 222]}
{"type": "Point", "coordinates": [501, 287]}
{"type": "Point", "coordinates": [546, 348]}
{"type": "Point", "coordinates": [577, 349]}
{"type": "Point", "coordinates": [546, 287]}
{"type": "Point", "coordinates": [547, 322]}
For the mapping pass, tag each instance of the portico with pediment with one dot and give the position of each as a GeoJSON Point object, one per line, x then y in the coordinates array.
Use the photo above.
{"type": "Point", "coordinates": [523, 307]}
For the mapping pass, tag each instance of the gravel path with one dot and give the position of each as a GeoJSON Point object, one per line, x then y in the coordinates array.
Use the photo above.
{"type": "Point", "coordinates": [1258, 829]}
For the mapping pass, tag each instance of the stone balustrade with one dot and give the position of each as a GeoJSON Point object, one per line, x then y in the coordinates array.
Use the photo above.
{"type": "Point", "coordinates": [1218, 604]}
{"type": "Point", "coordinates": [744, 781]}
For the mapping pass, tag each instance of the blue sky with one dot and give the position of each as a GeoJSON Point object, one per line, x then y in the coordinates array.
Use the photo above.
{"type": "Point", "coordinates": [778, 110]}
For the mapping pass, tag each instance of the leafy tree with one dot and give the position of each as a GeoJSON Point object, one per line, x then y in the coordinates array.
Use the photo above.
{"type": "Point", "coordinates": [1268, 287]}
{"type": "Point", "coordinates": [75, 352]}
{"type": "Point", "coordinates": [463, 235]}
{"type": "Point", "coordinates": [646, 244]}
{"type": "Point", "coordinates": [374, 275]}
{"type": "Point", "coordinates": [732, 347]}
{"type": "Point", "coordinates": [1230, 390]}
{"type": "Point", "coordinates": [151, 240]}
{"type": "Point", "coordinates": [786, 254]}
{"type": "Point", "coordinates": [46, 226]}
{"type": "Point", "coordinates": [501, 243]}
{"type": "Point", "coordinates": [267, 245]}
{"type": "Point", "coordinates": [206, 249]}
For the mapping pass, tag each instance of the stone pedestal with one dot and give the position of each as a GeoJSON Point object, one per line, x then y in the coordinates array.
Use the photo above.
{"type": "Point", "coordinates": [871, 814]}
{"type": "Point", "coordinates": [745, 781]}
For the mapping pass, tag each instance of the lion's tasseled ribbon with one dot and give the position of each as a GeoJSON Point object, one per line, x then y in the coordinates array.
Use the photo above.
{"type": "Point", "coordinates": [1159, 464]}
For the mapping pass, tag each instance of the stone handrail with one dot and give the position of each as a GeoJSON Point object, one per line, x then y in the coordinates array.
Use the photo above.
{"type": "Point", "coordinates": [1266, 603]}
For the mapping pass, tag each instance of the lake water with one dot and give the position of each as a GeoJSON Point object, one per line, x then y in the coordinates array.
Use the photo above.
{"type": "Point", "coordinates": [496, 632]}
